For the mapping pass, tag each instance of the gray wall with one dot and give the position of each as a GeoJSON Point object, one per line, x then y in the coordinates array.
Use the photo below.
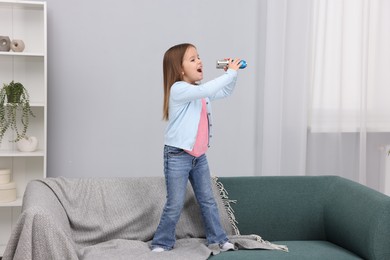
{"type": "Point", "coordinates": [105, 82]}
{"type": "Point", "coordinates": [105, 88]}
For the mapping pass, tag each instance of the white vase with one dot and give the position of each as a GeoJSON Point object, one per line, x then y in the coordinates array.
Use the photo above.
{"type": "Point", "coordinates": [28, 144]}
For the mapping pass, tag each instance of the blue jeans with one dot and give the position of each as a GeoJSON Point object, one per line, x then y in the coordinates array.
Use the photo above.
{"type": "Point", "coordinates": [179, 167]}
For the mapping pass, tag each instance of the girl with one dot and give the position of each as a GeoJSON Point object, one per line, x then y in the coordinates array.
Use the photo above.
{"type": "Point", "coordinates": [187, 109]}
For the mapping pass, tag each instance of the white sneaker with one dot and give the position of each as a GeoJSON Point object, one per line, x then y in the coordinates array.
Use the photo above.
{"type": "Point", "coordinates": [158, 249]}
{"type": "Point", "coordinates": [227, 246]}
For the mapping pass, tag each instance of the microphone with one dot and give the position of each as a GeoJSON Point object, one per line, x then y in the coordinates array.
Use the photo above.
{"type": "Point", "coordinates": [223, 63]}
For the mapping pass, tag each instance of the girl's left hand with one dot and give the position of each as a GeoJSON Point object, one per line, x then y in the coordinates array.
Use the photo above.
{"type": "Point", "coordinates": [234, 64]}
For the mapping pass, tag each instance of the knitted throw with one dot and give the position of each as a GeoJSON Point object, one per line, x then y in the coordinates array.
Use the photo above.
{"type": "Point", "coordinates": [114, 218]}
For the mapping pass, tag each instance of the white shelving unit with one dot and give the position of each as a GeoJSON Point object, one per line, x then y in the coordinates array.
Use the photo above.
{"type": "Point", "coordinates": [27, 21]}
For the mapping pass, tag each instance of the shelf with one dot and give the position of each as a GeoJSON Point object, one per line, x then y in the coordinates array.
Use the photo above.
{"type": "Point", "coordinates": [17, 203]}
{"type": "Point", "coordinates": [37, 104]}
{"type": "Point", "coordinates": [5, 153]}
{"type": "Point", "coordinates": [25, 20]}
{"type": "Point", "coordinates": [21, 54]}
{"type": "Point", "coordinates": [21, 3]}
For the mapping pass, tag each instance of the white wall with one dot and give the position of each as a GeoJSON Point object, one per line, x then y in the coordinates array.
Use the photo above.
{"type": "Point", "coordinates": [105, 82]}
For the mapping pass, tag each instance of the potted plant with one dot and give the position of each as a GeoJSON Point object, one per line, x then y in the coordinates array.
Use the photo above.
{"type": "Point", "coordinates": [15, 110]}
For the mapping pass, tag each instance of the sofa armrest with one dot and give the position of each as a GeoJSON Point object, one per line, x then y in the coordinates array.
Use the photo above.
{"type": "Point", "coordinates": [43, 230]}
{"type": "Point", "coordinates": [38, 194]}
{"type": "Point", "coordinates": [358, 219]}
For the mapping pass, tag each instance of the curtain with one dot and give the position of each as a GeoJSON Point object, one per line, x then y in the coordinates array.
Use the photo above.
{"type": "Point", "coordinates": [325, 89]}
{"type": "Point", "coordinates": [282, 118]}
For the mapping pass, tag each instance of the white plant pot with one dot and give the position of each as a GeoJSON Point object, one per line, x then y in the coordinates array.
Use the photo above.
{"type": "Point", "coordinates": [29, 144]}
{"type": "Point", "coordinates": [5, 176]}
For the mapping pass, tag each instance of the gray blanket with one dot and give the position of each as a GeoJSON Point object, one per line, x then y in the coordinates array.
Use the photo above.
{"type": "Point", "coordinates": [113, 218]}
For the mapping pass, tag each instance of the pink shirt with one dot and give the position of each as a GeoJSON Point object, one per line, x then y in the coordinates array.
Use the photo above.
{"type": "Point", "coordinates": [202, 138]}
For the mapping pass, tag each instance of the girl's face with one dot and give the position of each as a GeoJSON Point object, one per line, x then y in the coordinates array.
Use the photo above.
{"type": "Point", "coordinates": [192, 66]}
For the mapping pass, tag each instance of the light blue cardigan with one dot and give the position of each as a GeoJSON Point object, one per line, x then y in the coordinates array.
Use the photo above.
{"type": "Point", "coordinates": [185, 106]}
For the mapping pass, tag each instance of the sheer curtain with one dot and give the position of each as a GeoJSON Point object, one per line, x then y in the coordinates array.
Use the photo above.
{"type": "Point", "coordinates": [282, 113]}
{"type": "Point", "coordinates": [326, 83]}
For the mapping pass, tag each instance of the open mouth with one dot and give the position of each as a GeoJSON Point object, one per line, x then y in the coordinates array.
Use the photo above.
{"type": "Point", "coordinates": [199, 70]}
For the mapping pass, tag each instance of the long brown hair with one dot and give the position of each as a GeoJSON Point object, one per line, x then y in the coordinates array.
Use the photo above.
{"type": "Point", "coordinates": [172, 71]}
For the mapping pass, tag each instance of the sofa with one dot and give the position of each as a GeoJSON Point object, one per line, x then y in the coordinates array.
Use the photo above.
{"type": "Point", "coordinates": [316, 217]}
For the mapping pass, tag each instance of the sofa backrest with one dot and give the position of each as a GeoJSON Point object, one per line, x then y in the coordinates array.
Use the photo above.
{"type": "Point", "coordinates": [280, 208]}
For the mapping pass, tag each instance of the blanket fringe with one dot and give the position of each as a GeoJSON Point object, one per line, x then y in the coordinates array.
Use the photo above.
{"type": "Point", "coordinates": [274, 246]}
{"type": "Point", "coordinates": [226, 202]}
{"type": "Point", "coordinates": [232, 219]}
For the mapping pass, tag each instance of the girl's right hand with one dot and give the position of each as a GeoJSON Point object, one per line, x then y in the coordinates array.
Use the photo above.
{"type": "Point", "coordinates": [234, 64]}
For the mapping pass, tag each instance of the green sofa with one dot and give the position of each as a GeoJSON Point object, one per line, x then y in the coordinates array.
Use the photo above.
{"type": "Point", "coordinates": [322, 217]}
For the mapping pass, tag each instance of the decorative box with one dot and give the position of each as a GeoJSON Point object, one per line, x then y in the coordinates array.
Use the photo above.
{"type": "Point", "coordinates": [5, 176]}
{"type": "Point", "coordinates": [7, 192]}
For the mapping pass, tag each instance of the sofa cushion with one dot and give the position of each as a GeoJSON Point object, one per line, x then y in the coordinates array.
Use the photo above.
{"type": "Point", "coordinates": [298, 250]}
